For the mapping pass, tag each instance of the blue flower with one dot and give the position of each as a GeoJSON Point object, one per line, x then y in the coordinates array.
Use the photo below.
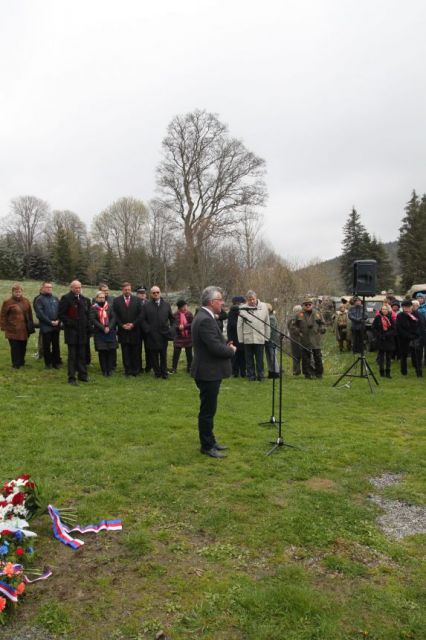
{"type": "Point", "coordinates": [19, 535]}
{"type": "Point", "coordinates": [4, 549]}
{"type": "Point", "coordinates": [29, 550]}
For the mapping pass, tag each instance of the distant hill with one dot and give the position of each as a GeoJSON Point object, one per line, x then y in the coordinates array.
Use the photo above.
{"type": "Point", "coordinates": [330, 271]}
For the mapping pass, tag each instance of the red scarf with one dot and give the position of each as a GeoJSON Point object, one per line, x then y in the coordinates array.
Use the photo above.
{"type": "Point", "coordinates": [386, 323]}
{"type": "Point", "coordinates": [184, 322]}
{"type": "Point", "coordinates": [102, 314]}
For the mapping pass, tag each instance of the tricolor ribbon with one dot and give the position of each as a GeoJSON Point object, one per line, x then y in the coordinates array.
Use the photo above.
{"type": "Point", "coordinates": [61, 531]}
{"type": "Point", "coordinates": [8, 591]}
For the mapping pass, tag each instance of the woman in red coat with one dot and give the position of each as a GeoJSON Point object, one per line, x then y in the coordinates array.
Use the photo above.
{"type": "Point", "coordinates": [183, 339]}
{"type": "Point", "coordinates": [16, 318]}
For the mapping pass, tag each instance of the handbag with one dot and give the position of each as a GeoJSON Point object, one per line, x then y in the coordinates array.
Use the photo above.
{"type": "Point", "coordinates": [29, 325]}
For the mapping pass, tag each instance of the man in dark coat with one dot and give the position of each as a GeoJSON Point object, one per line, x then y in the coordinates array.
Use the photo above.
{"type": "Point", "coordinates": [211, 363]}
{"type": "Point", "coordinates": [407, 326]}
{"type": "Point", "coordinates": [74, 313]}
{"type": "Point", "coordinates": [239, 359]}
{"type": "Point", "coordinates": [157, 325]}
{"type": "Point", "coordinates": [46, 306]}
{"type": "Point", "coordinates": [127, 309]}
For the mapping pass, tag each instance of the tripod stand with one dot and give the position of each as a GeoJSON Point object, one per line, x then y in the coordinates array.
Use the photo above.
{"type": "Point", "coordinates": [365, 369]}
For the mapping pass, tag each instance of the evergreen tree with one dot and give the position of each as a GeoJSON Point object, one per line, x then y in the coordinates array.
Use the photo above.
{"type": "Point", "coordinates": [11, 263]}
{"type": "Point", "coordinates": [356, 244]}
{"type": "Point", "coordinates": [62, 263]}
{"type": "Point", "coordinates": [412, 242]}
{"type": "Point", "coordinates": [385, 273]}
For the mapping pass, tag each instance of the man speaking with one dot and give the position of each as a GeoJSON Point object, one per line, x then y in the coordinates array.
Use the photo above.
{"type": "Point", "coordinates": [211, 363]}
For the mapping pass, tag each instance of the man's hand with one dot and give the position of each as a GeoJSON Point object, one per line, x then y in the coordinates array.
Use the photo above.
{"type": "Point", "coordinates": [232, 345]}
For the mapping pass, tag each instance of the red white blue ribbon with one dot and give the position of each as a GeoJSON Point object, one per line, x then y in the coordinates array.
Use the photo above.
{"type": "Point", "coordinates": [8, 591]}
{"type": "Point", "coordinates": [62, 532]}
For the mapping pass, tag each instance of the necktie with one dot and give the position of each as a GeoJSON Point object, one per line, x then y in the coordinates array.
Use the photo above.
{"type": "Point", "coordinates": [127, 301]}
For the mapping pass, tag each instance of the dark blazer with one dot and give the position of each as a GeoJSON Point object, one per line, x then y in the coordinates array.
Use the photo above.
{"type": "Point", "coordinates": [157, 321]}
{"type": "Point", "coordinates": [385, 339]}
{"type": "Point", "coordinates": [407, 328]}
{"type": "Point", "coordinates": [212, 356]}
{"type": "Point", "coordinates": [74, 314]}
{"type": "Point", "coordinates": [103, 340]}
{"type": "Point", "coordinates": [125, 314]}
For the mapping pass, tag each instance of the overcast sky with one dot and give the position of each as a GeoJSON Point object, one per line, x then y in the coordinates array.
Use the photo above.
{"type": "Point", "coordinates": [331, 93]}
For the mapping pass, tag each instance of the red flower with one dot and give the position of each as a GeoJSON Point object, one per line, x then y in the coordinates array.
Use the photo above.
{"type": "Point", "coordinates": [18, 498]}
{"type": "Point", "coordinates": [25, 476]}
{"type": "Point", "coordinates": [6, 532]}
{"type": "Point", "coordinates": [3, 503]}
{"type": "Point", "coordinates": [19, 551]}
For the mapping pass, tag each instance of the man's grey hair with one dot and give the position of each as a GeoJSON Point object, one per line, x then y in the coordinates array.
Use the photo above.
{"type": "Point", "coordinates": [208, 294]}
{"type": "Point", "coordinates": [251, 294]}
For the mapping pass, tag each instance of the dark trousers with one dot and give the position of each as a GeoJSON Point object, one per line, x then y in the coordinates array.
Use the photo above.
{"type": "Point", "coordinates": [106, 360]}
{"type": "Point", "coordinates": [239, 363]}
{"type": "Point", "coordinates": [296, 354]}
{"type": "Point", "coordinates": [18, 349]}
{"type": "Point", "coordinates": [209, 391]}
{"type": "Point", "coordinates": [77, 361]}
{"type": "Point", "coordinates": [51, 352]}
{"type": "Point", "coordinates": [384, 359]}
{"type": "Point", "coordinates": [310, 370]}
{"type": "Point", "coordinates": [357, 338]}
{"type": "Point", "coordinates": [176, 356]}
{"type": "Point", "coordinates": [254, 361]}
{"type": "Point", "coordinates": [158, 361]}
{"type": "Point", "coordinates": [130, 357]}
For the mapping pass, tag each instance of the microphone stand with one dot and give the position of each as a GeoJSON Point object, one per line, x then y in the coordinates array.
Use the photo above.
{"type": "Point", "coordinates": [279, 442]}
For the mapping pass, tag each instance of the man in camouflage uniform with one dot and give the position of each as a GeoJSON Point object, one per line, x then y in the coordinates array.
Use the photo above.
{"type": "Point", "coordinates": [310, 325]}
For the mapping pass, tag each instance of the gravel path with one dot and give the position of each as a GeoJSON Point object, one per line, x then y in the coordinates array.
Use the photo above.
{"type": "Point", "coordinates": [400, 519]}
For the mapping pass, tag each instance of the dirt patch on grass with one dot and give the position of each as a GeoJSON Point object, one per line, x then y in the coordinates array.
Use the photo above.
{"type": "Point", "coordinates": [321, 484]}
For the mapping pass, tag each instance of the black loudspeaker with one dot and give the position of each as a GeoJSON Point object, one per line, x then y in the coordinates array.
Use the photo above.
{"type": "Point", "coordinates": [364, 282]}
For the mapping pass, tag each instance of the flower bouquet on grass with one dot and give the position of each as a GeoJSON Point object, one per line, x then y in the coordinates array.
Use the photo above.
{"type": "Point", "coordinates": [19, 502]}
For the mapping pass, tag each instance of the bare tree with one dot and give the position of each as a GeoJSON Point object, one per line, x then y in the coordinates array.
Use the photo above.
{"type": "Point", "coordinates": [208, 180]}
{"type": "Point", "coordinates": [70, 222]}
{"type": "Point", "coordinates": [29, 215]}
{"type": "Point", "coordinates": [122, 227]}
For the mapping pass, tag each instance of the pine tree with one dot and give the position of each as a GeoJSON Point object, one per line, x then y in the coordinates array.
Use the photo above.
{"type": "Point", "coordinates": [62, 263]}
{"type": "Point", "coordinates": [385, 273]}
{"type": "Point", "coordinates": [412, 242]}
{"type": "Point", "coordinates": [356, 243]}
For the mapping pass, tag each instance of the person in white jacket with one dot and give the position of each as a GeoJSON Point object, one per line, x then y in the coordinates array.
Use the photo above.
{"type": "Point", "coordinates": [253, 331]}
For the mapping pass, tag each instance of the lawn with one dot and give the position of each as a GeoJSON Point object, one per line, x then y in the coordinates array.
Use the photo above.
{"type": "Point", "coordinates": [252, 547]}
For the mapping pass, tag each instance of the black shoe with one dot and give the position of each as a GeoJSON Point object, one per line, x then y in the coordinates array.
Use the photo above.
{"type": "Point", "coordinates": [83, 379]}
{"type": "Point", "coordinates": [251, 379]}
{"type": "Point", "coordinates": [388, 375]}
{"type": "Point", "coordinates": [165, 376]}
{"type": "Point", "coordinates": [73, 382]}
{"type": "Point", "coordinates": [56, 366]}
{"type": "Point", "coordinates": [48, 366]}
{"type": "Point", "coordinates": [219, 447]}
{"type": "Point", "coordinates": [213, 453]}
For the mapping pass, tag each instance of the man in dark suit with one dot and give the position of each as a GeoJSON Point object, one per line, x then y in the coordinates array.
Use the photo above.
{"type": "Point", "coordinates": [157, 324]}
{"type": "Point", "coordinates": [74, 313]}
{"type": "Point", "coordinates": [127, 311]}
{"type": "Point", "coordinates": [211, 363]}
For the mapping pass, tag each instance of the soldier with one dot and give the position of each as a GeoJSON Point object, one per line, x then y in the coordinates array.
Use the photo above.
{"type": "Point", "coordinates": [310, 325]}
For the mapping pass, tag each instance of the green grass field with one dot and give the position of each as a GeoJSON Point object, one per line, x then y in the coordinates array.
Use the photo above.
{"type": "Point", "coordinates": [252, 547]}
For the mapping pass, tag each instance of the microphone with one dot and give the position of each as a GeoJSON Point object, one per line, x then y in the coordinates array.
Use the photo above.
{"type": "Point", "coordinates": [246, 308]}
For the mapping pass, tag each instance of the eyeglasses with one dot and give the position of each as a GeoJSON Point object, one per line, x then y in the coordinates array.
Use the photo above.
{"type": "Point", "coordinates": [220, 299]}
{"type": "Point", "coordinates": [155, 292]}
{"type": "Point", "coordinates": [307, 304]}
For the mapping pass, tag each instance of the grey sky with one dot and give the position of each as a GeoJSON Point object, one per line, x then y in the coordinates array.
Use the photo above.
{"type": "Point", "coordinates": [332, 93]}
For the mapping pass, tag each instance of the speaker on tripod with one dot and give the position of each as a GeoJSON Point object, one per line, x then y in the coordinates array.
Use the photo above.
{"type": "Point", "coordinates": [364, 277]}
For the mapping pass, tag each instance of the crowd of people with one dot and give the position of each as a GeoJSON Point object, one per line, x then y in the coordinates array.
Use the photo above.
{"type": "Point", "coordinates": [398, 328]}
{"type": "Point", "coordinates": [143, 326]}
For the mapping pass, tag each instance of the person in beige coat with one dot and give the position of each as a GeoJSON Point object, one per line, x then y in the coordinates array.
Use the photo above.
{"type": "Point", "coordinates": [253, 331]}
